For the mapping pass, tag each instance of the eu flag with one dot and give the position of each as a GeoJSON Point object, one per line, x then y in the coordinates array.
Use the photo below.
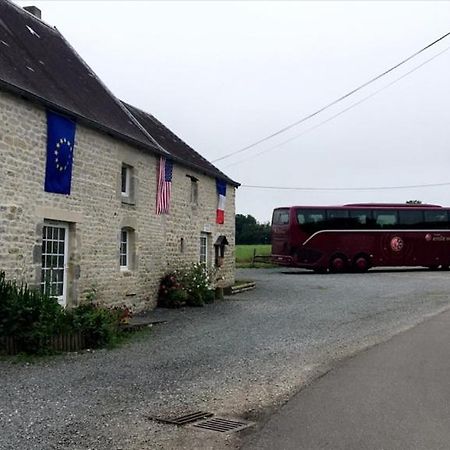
{"type": "Point", "coordinates": [60, 143]}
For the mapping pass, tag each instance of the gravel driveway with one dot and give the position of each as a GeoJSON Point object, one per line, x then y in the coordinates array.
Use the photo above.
{"type": "Point", "coordinates": [239, 357]}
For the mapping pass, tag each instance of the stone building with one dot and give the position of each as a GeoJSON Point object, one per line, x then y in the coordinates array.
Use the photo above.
{"type": "Point", "coordinates": [106, 234]}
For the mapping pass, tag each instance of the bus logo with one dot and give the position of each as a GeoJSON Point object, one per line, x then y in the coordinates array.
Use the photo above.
{"type": "Point", "coordinates": [396, 243]}
{"type": "Point", "coordinates": [428, 237]}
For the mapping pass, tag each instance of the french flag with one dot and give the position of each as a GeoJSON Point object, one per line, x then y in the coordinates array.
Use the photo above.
{"type": "Point", "coordinates": [222, 193]}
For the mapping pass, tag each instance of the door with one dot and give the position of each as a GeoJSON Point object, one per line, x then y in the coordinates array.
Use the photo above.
{"type": "Point", "coordinates": [55, 244]}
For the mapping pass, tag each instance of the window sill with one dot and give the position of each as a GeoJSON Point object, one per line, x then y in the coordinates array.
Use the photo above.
{"type": "Point", "coordinates": [126, 272]}
{"type": "Point", "coordinates": [127, 200]}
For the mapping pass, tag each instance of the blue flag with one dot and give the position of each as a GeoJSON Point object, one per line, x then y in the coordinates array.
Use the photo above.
{"type": "Point", "coordinates": [60, 143]}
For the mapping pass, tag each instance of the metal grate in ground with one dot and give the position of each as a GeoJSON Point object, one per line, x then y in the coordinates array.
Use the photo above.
{"type": "Point", "coordinates": [185, 418]}
{"type": "Point", "coordinates": [223, 425]}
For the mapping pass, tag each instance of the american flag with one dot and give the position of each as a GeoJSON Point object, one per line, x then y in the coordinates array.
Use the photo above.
{"type": "Point", "coordinates": [164, 186]}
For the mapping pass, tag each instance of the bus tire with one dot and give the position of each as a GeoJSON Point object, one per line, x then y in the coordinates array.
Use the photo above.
{"type": "Point", "coordinates": [338, 264]}
{"type": "Point", "coordinates": [433, 267]}
{"type": "Point", "coordinates": [320, 270]}
{"type": "Point", "coordinates": [361, 263]}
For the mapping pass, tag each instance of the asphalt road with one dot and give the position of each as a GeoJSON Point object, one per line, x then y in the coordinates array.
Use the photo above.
{"type": "Point", "coordinates": [239, 358]}
{"type": "Point", "coordinates": [393, 396]}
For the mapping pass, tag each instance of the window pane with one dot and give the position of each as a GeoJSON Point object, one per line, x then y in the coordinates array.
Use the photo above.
{"type": "Point", "coordinates": [123, 248]}
{"type": "Point", "coordinates": [360, 218]}
{"type": "Point", "coordinates": [410, 219]}
{"type": "Point", "coordinates": [385, 219]}
{"type": "Point", "coordinates": [312, 220]}
{"type": "Point", "coordinates": [281, 217]}
{"type": "Point", "coordinates": [337, 219]}
{"type": "Point", "coordinates": [437, 219]}
{"type": "Point", "coordinates": [203, 249]}
{"type": "Point", "coordinates": [124, 179]}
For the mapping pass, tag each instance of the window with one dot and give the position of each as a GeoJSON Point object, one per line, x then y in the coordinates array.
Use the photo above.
{"type": "Point", "coordinates": [126, 175]}
{"type": "Point", "coordinates": [127, 184]}
{"type": "Point", "coordinates": [311, 220]}
{"type": "Point", "coordinates": [54, 260]}
{"type": "Point", "coordinates": [194, 191]}
{"type": "Point", "coordinates": [280, 217]}
{"type": "Point", "coordinates": [436, 219]}
{"type": "Point", "coordinates": [204, 248]}
{"type": "Point", "coordinates": [337, 219]}
{"type": "Point", "coordinates": [124, 249]}
{"type": "Point", "coordinates": [410, 219]}
{"type": "Point", "coordinates": [385, 219]}
{"type": "Point", "coordinates": [360, 218]}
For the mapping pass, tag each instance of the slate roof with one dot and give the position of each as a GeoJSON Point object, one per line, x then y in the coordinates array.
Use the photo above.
{"type": "Point", "coordinates": [39, 64]}
{"type": "Point", "coordinates": [178, 148]}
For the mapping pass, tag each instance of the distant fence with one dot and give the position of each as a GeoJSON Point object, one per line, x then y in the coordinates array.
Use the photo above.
{"type": "Point", "coordinates": [260, 258]}
{"type": "Point", "coordinates": [72, 342]}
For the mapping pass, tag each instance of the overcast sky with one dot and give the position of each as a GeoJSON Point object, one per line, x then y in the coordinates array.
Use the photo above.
{"type": "Point", "coordinates": [222, 75]}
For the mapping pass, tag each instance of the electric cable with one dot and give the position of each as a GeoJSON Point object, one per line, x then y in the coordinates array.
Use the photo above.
{"type": "Point", "coordinates": [334, 102]}
{"type": "Point", "coordinates": [339, 113]}
{"type": "Point", "coordinates": [373, 188]}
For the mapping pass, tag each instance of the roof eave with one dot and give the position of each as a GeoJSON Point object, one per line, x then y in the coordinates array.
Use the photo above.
{"type": "Point", "coordinates": [30, 96]}
{"type": "Point", "coordinates": [41, 101]}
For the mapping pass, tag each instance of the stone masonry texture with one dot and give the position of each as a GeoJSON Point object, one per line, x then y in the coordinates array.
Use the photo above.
{"type": "Point", "coordinates": [96, 213]}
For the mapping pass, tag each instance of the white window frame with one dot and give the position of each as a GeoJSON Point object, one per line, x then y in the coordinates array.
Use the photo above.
{"type": "Point", "coordinates": [204, 238]}
{"type": "Point", "coordinates": [194, 191]}
{"type": "Point", "coordinates": [127, 250]}
{"type": "Point", "coordinates": [127, 169]}
{"type": "Point", "coordinates": [62, 299]}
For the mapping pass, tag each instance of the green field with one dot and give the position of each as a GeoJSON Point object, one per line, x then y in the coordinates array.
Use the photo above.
{"type": "Point", "coordinates": [244, 253]}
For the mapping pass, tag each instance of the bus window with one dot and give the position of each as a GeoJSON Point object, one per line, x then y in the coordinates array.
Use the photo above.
{"type": "Point", "coordinates": [436, 219]}
{"type": "Point", "coordinates": [311, 219]}
{"type": "Point", "coordinates": [385, 219]}
{"type": "Point", "coordinates": [281, 217]}
{"type": "Point", "coordinates": [360, 218]}
{"type": "Point", "coordinates": [337, 219]}
{"type": "Point", "coordinates": [410, 219]}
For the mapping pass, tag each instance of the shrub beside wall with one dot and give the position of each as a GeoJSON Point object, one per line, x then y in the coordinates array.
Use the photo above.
{"type": "Point", "coordinates": [191, 287]}
{"type": "Point", "coordinates": [33, 322]}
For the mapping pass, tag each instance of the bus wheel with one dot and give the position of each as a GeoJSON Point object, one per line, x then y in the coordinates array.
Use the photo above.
{"type": "Point", "coordinates": [320, 270]}
{"type": "Point", "coordinates": [433, 267]}
{"type": "Point", "coordinates": [361, 264]}
{"type": "Point", "coordinates": [338, 264]}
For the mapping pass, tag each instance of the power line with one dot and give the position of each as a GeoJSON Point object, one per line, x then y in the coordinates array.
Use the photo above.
{"type": "Point", "coordinates": [343, 97]}
{"type": "Point", "coordinates": [308, 130]}
{"type": "Point", "coordinates": [373, 188]}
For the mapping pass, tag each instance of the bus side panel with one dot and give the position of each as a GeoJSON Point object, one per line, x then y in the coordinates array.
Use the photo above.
{"type": "Point", "coordinates": [384, 248]}
{"type": "Point", "coordinates": [349, 244]}
{"type": "Point", "coordinates": [427, 248]}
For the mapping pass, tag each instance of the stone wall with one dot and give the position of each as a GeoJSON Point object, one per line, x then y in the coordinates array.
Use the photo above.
{"type": "Point", "coordinates": [96, 213]}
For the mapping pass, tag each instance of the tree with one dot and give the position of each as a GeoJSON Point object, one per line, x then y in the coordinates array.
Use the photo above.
{"type": "Point", "coordinates": [249, 231]}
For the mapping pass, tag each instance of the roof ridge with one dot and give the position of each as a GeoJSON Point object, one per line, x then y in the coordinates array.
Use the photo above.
{"type": "Point", "coordinates": [173, 134]}
{"type": "Point", "coordinates": [207, 167]}
{"type": "Point", "coordinates": [111, 94]}
{"type": "Point", "coordinates": [31, 15]}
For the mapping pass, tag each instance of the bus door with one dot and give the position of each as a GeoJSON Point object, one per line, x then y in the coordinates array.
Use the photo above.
{"type": "Point", "coordinates": [280, 232]}
{"type": "Point", "coordinates": [392, 245]}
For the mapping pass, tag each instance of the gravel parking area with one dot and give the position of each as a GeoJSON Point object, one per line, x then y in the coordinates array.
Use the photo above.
{"type": "Point", "coordinates": [239, 357]}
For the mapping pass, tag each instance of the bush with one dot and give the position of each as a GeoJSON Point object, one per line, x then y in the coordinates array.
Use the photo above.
{"type": "Point", "coordinates": [197, 280]}
{"type": "Point", "coordinates": [171, 293]}
{"type": "Point", "coordinates": [32, 318]}
{"type": "Point", "coordinates": [28, 315]}
{"type": "Point", "coordinates": [191, 287]}
{"type": "Point", "coordinates": [99, 324]}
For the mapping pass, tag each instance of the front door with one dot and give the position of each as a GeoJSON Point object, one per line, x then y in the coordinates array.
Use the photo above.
{"type": "Point", "coordinates": [55, 240]}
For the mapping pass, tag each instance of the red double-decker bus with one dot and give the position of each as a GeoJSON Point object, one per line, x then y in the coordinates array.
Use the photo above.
{"type": "Point", "coordinates": [357, 237]}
